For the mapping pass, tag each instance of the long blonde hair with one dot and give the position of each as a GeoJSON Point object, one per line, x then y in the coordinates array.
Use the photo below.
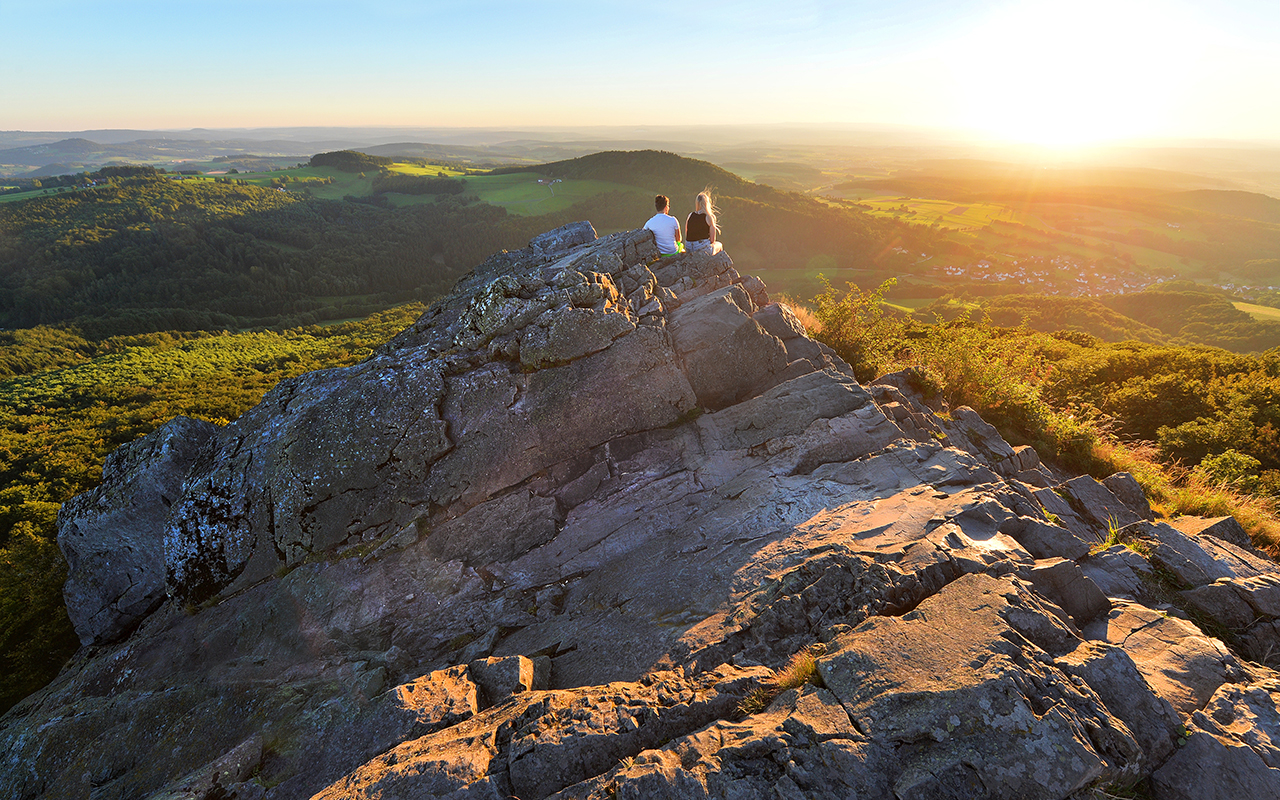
{"type": "Point", "coordinates": [703, 204]}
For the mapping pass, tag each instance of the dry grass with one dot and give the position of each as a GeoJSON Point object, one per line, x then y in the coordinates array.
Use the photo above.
{"type": "Point", "coordinates": [803, 313]}
{"type": "Point", "coordinates": [1174, 491]}
{"type": "Point", "coordinates": [802, 668]}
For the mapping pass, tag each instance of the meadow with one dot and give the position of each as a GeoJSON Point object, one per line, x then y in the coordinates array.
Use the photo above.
{"type": "Point", "coordinates": [1260, 313]}
{"type": "Point", "coordinates": [944, 213]}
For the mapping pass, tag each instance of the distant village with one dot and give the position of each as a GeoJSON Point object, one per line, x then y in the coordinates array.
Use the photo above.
{"type": "Point", "coordinates": [1063, 276]}
{"type": "Point", "coordinates": [1057, 275]}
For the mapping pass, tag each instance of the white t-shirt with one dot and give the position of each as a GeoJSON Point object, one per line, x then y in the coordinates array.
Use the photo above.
{"type": "Point", "coordinates": [665, 228]}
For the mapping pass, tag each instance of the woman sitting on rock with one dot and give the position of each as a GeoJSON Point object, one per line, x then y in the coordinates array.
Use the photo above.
{"type": "Point", "coordinates": [700, 228]}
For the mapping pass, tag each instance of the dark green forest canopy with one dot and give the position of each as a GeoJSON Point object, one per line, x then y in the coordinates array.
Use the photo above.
{"type": "Point", "coordinates": [350, 161]}
{"type": "Point", "coordinates": [66, 402]}
{"type": "Point", "coordinates": [151, 252]}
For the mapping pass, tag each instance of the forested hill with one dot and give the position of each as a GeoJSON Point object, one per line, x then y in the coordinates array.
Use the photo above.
{"type": "Point", "coordinates": [1249, 205]}
{"type": "Point", "coordinates": [668, 173]}
{"type": "Point", "coordinates": [151, 252]}
{"type": "Point", "coordinates": [768, 228]}
{"type": "Point", "coordinates": [134, 250]}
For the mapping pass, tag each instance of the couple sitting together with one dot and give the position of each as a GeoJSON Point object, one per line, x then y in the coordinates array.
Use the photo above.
{"type": "Point", "coordinates": [700, 226]}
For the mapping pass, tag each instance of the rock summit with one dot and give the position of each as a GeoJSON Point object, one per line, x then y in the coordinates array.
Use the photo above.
{"type": "Point", "coordinates": [602, 524]}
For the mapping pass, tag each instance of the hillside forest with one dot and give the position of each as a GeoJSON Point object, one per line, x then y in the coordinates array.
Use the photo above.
{"type": "Point", "coordinates": [125, 294]}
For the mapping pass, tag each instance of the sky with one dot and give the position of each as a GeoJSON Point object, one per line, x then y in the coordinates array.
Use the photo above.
{"type": "Point", "coordinates": [1023, 70]}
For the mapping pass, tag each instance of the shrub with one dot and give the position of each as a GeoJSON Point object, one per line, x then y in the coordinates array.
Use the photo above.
{"type": "Point", "coordinates": [856, 326]}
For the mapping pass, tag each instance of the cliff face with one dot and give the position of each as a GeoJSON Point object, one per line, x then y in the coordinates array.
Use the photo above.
{"type": "Point", "coordinates": [556, 538]}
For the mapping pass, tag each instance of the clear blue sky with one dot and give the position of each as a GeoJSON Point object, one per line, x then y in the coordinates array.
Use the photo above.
{"type": "Point", "coordinates": [1026, 68]}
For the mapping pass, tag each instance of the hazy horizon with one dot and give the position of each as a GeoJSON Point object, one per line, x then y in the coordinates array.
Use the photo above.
{"type": "Point", "coordinates": [1027, 71]}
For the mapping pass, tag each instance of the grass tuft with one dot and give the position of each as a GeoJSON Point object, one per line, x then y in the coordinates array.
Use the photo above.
{"type": "Point", "coordinates": [800, 669]}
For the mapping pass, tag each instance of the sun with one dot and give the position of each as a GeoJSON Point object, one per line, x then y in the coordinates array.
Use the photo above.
{"type": "Point", "coordinates": [1062, 74]}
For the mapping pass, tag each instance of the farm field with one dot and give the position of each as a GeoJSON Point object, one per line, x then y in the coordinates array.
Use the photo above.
{"type": "Point", "coordinates": [1259, 313]}
{"type": "Point", "coordinates": [16, 196]}
{"type": "Point", "coordinates": [1111, 227]}
{"type": "Point", "coordinates": [955, 216]}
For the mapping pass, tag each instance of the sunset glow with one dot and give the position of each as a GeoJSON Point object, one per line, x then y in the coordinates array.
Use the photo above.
{"type": "Point", "coordinates": [1071, 74]}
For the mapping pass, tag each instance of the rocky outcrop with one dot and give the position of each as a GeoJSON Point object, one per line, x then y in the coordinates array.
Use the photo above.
{"type": "Point", "coordinates": [113, 537]}
{"type": "Point", "coordinates": [563, 536]}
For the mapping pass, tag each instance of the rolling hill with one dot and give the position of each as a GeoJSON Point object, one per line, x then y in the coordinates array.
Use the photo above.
{"type": "Point", "coordinates": [130, 250]}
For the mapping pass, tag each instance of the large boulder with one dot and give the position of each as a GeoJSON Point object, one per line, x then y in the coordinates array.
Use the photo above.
{"type": "Point", "coordinates": [113, 536]}
{"type": "Point", "coordinates": [949, 686]}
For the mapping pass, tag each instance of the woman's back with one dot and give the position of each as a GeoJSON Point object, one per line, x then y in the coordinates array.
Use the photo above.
{"type": "Point", "coordinates": [696, 227]}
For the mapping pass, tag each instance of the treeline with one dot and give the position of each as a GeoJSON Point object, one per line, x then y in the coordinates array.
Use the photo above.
{"type": "Point", "coordinates": [350, 161]}
{"type": "Point", "coordinates": [1189, 314]}
{"type": "Point", "coordinates": [401, 183]}
{"type": "Point", "coordinates": [1056, 313]}
{"type": "Point", "coordinates": [1192, 402]}
{"type": "Point", "coordinates": [68, 401]}
{"type": "Point", "coordinates": [140, 251]}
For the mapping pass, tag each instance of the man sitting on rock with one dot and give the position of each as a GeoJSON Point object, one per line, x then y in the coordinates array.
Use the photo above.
{"type": "Point", "coordinates": [666, 228]}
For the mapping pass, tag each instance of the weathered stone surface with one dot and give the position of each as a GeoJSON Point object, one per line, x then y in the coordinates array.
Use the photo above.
{"type": "Point", "coordinates": [1044, 540]}
{"type": "Point", "coordinates": [216, 779]}
{"type": "Point", "coordinates": [1225, 528]}
{"type": "Point", "coordinates": [1260, 642]}
{"type": "Point", "coordinates": [1206, 768]}
{"type": "Point", "coordinates": [524, 520]}
{"type": "Point", "coordinates": [1199, 560]}
{"type": "Point", "coordinates": [1180, 663]}
{"type": "Point", "coordinates": [726, 354]}
{"type": "Point", "coordinates": [440, 699]}
{"type": "Point", "coordinates": [1058, 511]}
{"type": "Point", "coordinates": [508, 426]}
{"type": "Point", "coordinates": [560, 337]}
{"type": "Point", "coordinates": [1118, 572]}
{"type": "Point", "coordinates": [914, 419]}
{"type": "Point", "coordinates": [317, 464]}
{"type": "Point", "coordinates": [986, 439]}
{"type": "Point", "coordinates": [1109, 671]}
{"type": "Point", "coordinates": [564, 237]}
{"type": "Point", "coordinates": [1248, 714]}
{"type": "Point", "coordinates": [1061, 581]}
{"type": "Point", "coordinates": [1093, 501]}
{"type": "Point", "coordinates": [113, 537]}
{"type": "Point", "coordinates": [691, 268]}
{"type": "Point", "coordinates": [802, 746]}
{"type": "Point", "coordinates": [756, 290]}
{"type": "Point", "coordinates": [1127, 491]}
{"type": "Point", "coordinates": [554, 739]}
{"type": "Point", "coordinates": [949, 684]}
{"type": "Point", "coordinates": [499, 678]}
{"type": "Point", "coordinates": [779, 320]}
{"type": "Point", "coordinates": [1224, 602]}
